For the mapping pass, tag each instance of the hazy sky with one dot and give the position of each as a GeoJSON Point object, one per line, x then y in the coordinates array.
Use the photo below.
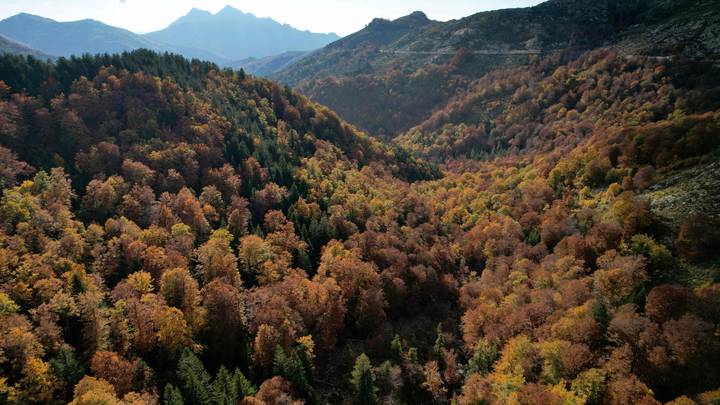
{"type": "Point", "coordinates": [340, 16]}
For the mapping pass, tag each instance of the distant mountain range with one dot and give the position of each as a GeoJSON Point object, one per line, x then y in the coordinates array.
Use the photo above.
{"type": "Point", "coordinates": [234, 35]}
{"type": "Point", "coordinates": [224, 38]}
{"type": "Point", "coordinates": [270, 64]}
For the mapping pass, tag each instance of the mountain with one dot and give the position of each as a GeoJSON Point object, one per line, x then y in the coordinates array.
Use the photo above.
{"type": "Point", "coordinates": [354, 53]}
{"type": "Point", "coordinates": [165, 221]}
{"type": "Point", "coordinates": [545, 232]}
{"type": "Point", "coordinates": [85, 36]}
{"type": "Point", "coordinates": [270, 64]}
{"type": "Point", "coordinates": [235, 35]}
{"type": "Point", "coordinates": [9, 46]}
{"type": "Point", "coordinates": [404, 72]}
{"type": "Point", "coordinates": [71, 38]}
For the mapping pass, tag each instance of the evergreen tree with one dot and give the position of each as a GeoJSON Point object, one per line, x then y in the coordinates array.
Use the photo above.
{"type": "Point", "coordinates": [484, 356]}
{"type": "Point", "coordinates": [396, 349]}
{"type": "Point", "coordinates": [66, 366]}
{"type": "Point", "coordinates": [363, 381]}
{"type": "Point", "coordinates": [172, 396]}
{"type": "Point", "coordinates": [195, 379]}
{"type": "Point", "coordinates": [224, 390]}
{"type": "Point", "coordinates": [296, 370]}
{"type": "Point", "coordinates": [244, 386]}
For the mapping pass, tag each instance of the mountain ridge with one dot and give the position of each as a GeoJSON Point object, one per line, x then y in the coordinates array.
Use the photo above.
{"type": "Point", "coordinates": [443, 58]}
{"type": "Point", "coordinates": [219, 34]}
{"type": "Point", "coordinates": [89, 36]}
{"type": "Point", "coordinates": [7, 45]}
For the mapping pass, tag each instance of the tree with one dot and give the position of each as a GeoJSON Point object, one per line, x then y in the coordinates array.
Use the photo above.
{"type": "Point", "coordinates": [92, 391]}
{"type": "Point", "coordinates": [38, 384]}
{"type": "Point", "coordinates": [195, 380]}
{"type": "Point", "coordinates": [12, 169]}
{"type": "Point", "coordinates": [180, 290]}
{"type": "Point", "coordinates": [396, 349]}
{"type": "Point", "coordinates": [68, 368]}
{"type": "Point", "coordinates": [433, 381]}
{"type": "Point", "coordinates": [226, 324]}
{"type": "Point", "coordinates": [483, 358]}
{"type": "Point", "coordinates": [359, 282]}
{"type": "Point", "coordinates": [244, 386]}
{"type": "Point", "coordinates": [363, 381]}
{"type": "Point", "coordinates": [189, 210]}
{"type": "Point", "coordinates": [224, 390]}
{"type": "Point", "coordinates": [216, 259]}
{"type": "Point", "coordinates": [238, 216]}
{"type": "Point", "coordinates": [119, 372]}
{"type": "Point", "coordinates": [295, 367]}
{"type": "Point", "coordinates": [172, 395]}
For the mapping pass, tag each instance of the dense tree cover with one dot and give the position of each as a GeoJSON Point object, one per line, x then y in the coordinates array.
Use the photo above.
{"type": "Point", "coordinates": [390, 103]}
{"type": "Point", "coordinates": [224, 240]}
{"type": "Point", "coordinates": [561, 100]}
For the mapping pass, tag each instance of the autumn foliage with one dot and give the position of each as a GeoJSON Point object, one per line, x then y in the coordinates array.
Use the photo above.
{"type": "Point", "coordinates": [175, 233]}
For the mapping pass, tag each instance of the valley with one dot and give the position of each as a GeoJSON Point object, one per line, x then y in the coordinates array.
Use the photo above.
{"type": "Point", "coordinates": [515, 207]}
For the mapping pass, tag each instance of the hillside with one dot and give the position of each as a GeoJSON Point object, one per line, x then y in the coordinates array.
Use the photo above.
{"type": "Point", "coordinates": [174, 232]}
{"type": "Point", "coordinates": [9, 46]}
{"type": "Point", "coordinates": [235, 35]}
{"type": "Point", "coordinates": [267, 66]}
{"type": "Point", "coordinates": [542, 228]}
{"type": "Point", "coordinates": [403, 79]}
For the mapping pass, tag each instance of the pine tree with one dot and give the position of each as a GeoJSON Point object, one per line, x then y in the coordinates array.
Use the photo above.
{"type": "Point", "coordinates": [195, 379]}
{"type": "Point", "coordinates": [223, 390]}
{"type": "Point", "coordinates": [294, 369]}
{"type": "Point", "coordinates": [363, 381]}
{"type": "Point", "coordinates": [244, 386]}
{"type": "Point", "coordinates": [484, 356]}
{"type": "Point", "coordinates": [172, 396]}
{"type": "Point", "coordinates": [396, 349]}
{"type": "Point", "coordinates": [66, 366]}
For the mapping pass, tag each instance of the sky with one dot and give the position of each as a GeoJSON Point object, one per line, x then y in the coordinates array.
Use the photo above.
{"type": "Point", "coordinates": [340, 16]}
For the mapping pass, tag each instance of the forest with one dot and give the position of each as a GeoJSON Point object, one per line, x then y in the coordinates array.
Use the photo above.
{"type": "Point", "coordinates": [176, 233]}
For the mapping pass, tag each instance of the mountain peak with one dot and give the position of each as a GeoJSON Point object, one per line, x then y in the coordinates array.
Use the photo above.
{"type": "Point", "coordinates": [27, 16]}
{"type": "Point", "coordinates": [411, 21]}
{"type": "Point", "coordinates": [199, 13]}
{"type": "Point", "coordinates": [416, 15]}
{"type": "Point", "coordinates": [193, 16]}
{"type": "Point", "coordinates": [229, 11]}
{"type": "Point", "coordinates": [218, 33]}
{"type": "Point", "coordinates": [416, 18]}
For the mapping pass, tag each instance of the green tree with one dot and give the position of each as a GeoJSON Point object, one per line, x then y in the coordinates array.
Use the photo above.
{"type": "Point", "coordinates": [484, 356]}
{"type": "Point", "coordinates": [295, 367]}
{"type": "Point", "coordinates": [244, 386]}
{"type": "Point", "coordinates": [68, 368]}
{"type": "Point", "coordinates": [172, 396]}
{"type": "Point", "coordinates": [224, 390]}
{"type": "Point", "coordinates": [363, 381]}
{"type": "Point", "coordinates": [195, 379]}
{"type": "Point", "coordinates": [396, 349]}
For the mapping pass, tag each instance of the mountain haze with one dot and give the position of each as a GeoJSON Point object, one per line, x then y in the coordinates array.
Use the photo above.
{"type": "Point", "coordinates": [223, 38]}
{"type": "Point", "coordinates": [71, 38]}
{"type": "Point", "coordinates": [7, 45]}
{"type": "Point", "coordinates": [270, 64]}
{"type": "Point", "coordinates": [235, 35]}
